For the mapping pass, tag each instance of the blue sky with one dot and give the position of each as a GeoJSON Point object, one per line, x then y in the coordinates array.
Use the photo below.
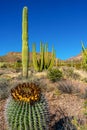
{"type": "Point", "coordinates": [62, 23]}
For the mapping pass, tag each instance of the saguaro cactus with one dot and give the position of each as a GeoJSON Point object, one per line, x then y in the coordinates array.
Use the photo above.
{"type": "Point", "coordinates": [25, 49]}
{"type": "Point", "coordinates": [26, 108]}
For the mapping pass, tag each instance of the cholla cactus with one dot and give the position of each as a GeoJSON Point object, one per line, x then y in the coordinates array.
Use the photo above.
{"type": "Point", "coordinates": [26, 108]}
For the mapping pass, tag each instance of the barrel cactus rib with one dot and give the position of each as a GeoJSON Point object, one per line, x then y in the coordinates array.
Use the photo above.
{"type": "Point", "coordinates": [25, 117]}
{"type": "Point", "coordinates": [14, 112]}
{"type": "Point", "coordinates": [21, 117]}
{"type": "Point", "coordinates": [16, 118]}
{"type": "Point", "coordinates": [30, 118]}
{"type": "Point", "coordinates": [43, 116]}
{"type": "Point", "coordinates": [35, 124]}
{"type": "Point", "coordinates": [9, 112]}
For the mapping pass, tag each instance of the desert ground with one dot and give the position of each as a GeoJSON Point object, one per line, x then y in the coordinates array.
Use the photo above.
{"type": "Point", "coordinates": [66, 97]}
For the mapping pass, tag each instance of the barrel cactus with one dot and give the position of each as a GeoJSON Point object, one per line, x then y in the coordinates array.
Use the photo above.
{"type": "Point", "coordinates": [27, 108]}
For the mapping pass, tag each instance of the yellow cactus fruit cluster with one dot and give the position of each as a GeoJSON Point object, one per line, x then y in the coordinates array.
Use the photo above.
{"type": "Point", "coordinates": [28, 92]}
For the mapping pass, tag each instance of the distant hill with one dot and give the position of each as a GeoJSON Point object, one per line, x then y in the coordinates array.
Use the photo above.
{"type": "Point", "coordinates": [16, 56]}
{"type": "Point", "coordinates": [75, 58]}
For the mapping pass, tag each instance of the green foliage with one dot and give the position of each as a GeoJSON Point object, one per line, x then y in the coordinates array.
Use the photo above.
{"type": "Point", "coordinates": [84, 79]}
{"type": "Point", "coordinates": [79, 126]}
{"type": "Point", "coordinates": [45, 61]}
{"type": "Point", "coordinates": [78, 65]}
{"type": "Point", "coordinates": [84, 67]}
{"type": "Point", "coordinates": [84, 58]}
{"type": "Point", "coordinates": [23, 115]}
{"type": "Point", "coordinates": [4, 88]}
{"type": "Point", "coordinates": [17, 65]}
{"type": "Point", "coordinates": [3, 65]}
{"type": "Point", "coordinates": [85, 107]}
{"type": "Point", "coordinates": [54, 74]}
{"type": "Point", "coordinates": [25, 49]}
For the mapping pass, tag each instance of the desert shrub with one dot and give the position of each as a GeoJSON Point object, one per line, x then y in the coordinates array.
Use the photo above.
{"type": "Point", "coordinates": [4, 88]}
{"type": "Point", "coordinates": [65, 121]}
{"type": "Point", "coordinates": [85, 108]}
{"type": "Point", "coordinates": [84, 95]}
{"type": "Point", "coordinates": [54, 75]}
{"type": "Point", "coordinates": [69, 73]}
{"type": "Point", "coordinates": [84, 79]}
{"type": "Point", "coordinates": [3, 65]}
{"type": "Point", "coordinates": [78, 66]}
{"type": "Point", "coordinates": [75, 76]}
{"type": "Point", "coordinates": [67, 86]}
{"type": "Point", "coordinates": [84, 67]}
{"type": "Point", "coordinates": [17, 66]}
{"type": "Point", "coordinates": [79, 123]}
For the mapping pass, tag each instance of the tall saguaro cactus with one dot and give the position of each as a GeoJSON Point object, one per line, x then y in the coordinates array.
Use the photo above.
{"type": "Point", "coordinates": [25, 49]}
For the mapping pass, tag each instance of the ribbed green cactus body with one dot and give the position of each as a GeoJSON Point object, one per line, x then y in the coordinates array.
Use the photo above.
{"type": "Point", "coordinates": [45, 61]}
{"type": "Point", "coordinates": [25, 49]}
{"type": "Point", "coordinates": [24, 116]}
{"type": "Point", "coordinates": [46, 57]}
{"type": "Point", "coordinates": [41, 56]}
{"type": "Point", "coordinates": [35, 57]}
{"type": "Point", "coordinates": [52, 59]}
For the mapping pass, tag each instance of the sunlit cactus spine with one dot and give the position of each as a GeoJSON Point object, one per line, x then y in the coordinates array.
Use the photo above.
{"type": "Point", "coordinates": [27, 108]}
{"type": "Point", "coordinates": [25, 49]}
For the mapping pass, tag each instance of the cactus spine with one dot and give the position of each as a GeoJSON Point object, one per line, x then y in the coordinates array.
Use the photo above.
{"type": "Point", "coordinates": [26, 108]}
{"type": "Point", "coordinates": [25, 49]}
{"type": "Point", "coordinates": [45, 62]}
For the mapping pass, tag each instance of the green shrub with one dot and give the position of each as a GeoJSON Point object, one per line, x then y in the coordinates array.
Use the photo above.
{"type": "Point", "coordinates": [84, 80]}
{"type": "Point", "coordinates": [84, 67]}
{"type": "Point", "coordinates": [78, 66]}
{"type": "Point", "coordinates": [54, 74]}
{"type": "Point", "coordinates": [3, 65]}
{"type": "Point", "coordinates": [78, 125]}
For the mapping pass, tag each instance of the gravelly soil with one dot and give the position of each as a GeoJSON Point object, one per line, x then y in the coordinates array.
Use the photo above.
{"type": "Point", "coordinates": [60, 105]}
